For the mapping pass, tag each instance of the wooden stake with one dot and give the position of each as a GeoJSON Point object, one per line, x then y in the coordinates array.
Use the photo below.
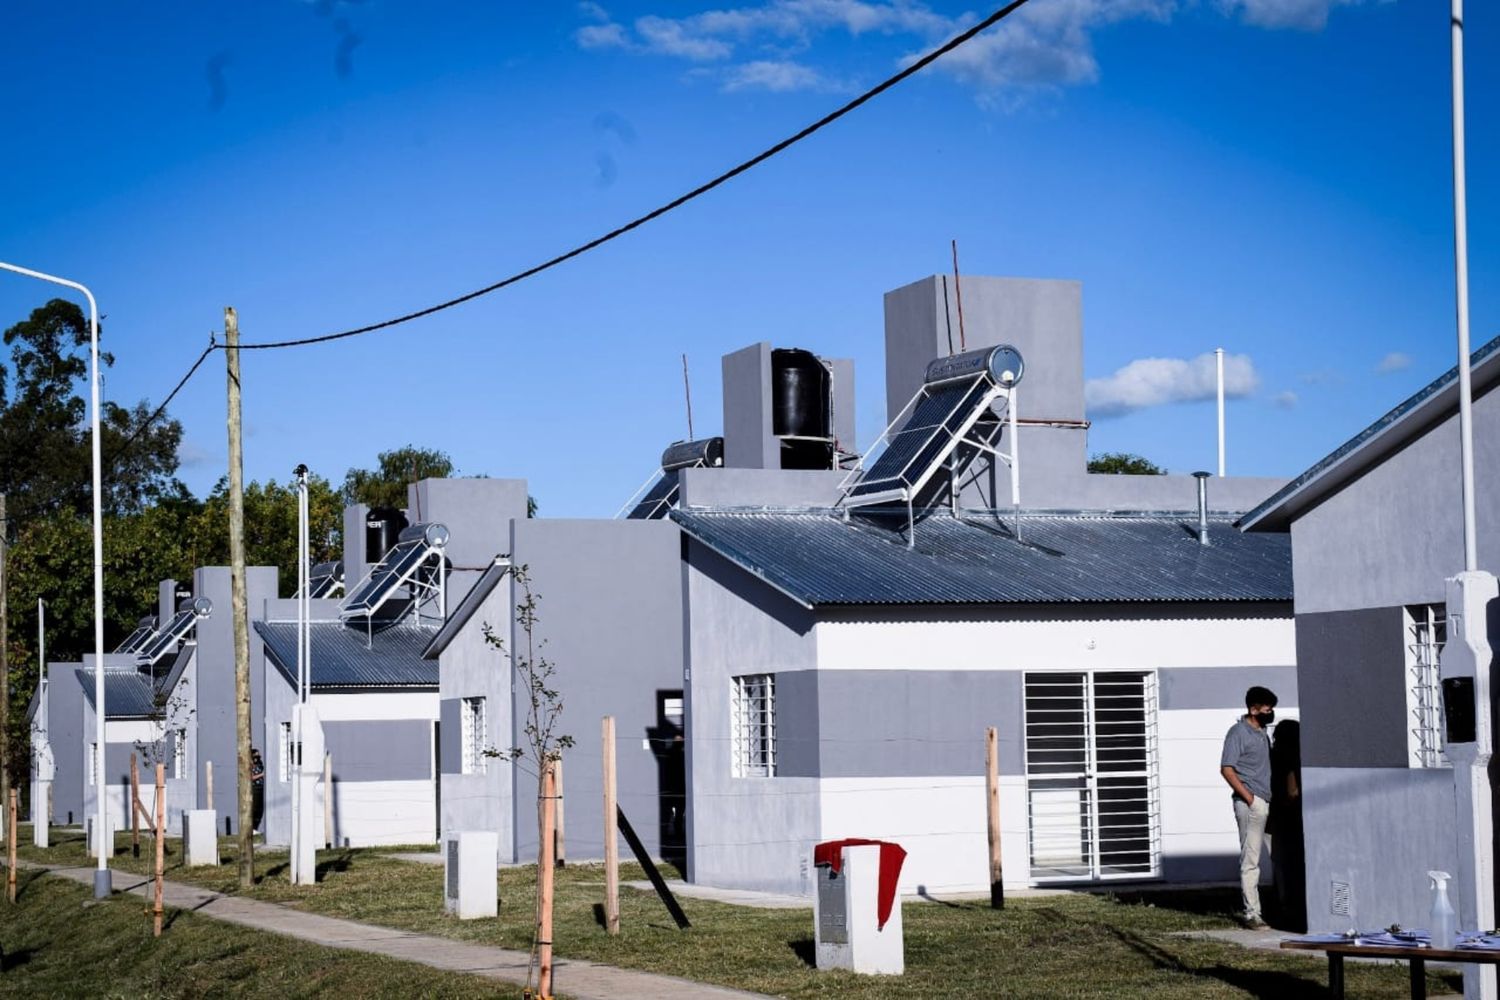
{"type": "Point", "coordinates": [10, 878]}
{"type": "Point", "coordinates": [161, 840]}
{"type": "Point", "coordinates": [544, 882]}
{"type": "Point", "coordinates": [239, 600]}
{"type": "Point", "coordinates": [135, 808]}
{"type": "Point", "coordinates": [611, 833]}
{"type": "Point", "coordinates": [559, 845]}
{"type": "Point", "coordinates": [208, 783]}
{"type": "Point", "coordinates": [992, 807]}
{"type": "Point", "coordinates": [327, 800]}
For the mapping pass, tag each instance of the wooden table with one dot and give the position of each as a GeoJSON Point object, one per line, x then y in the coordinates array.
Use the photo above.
{"type": "Point", "coordinates": [1417, 958]}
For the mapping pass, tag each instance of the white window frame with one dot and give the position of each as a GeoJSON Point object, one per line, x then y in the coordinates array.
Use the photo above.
{"type": "Point", "coordinates": [753, 726]}
{"type": "Point", "coordinates": [474, 731]}
{"type": "Point", "coordinates": [1424, 629]}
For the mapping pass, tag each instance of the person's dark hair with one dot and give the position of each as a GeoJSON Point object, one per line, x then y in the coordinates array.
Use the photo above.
{"type": "Point", "coordinates": [1260, 696]}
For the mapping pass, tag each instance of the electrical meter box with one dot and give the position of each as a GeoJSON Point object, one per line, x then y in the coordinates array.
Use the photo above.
{"type": "Point", "coordinates": [846, 912]}
{"type": "Point", "coordinates": [470, 859]}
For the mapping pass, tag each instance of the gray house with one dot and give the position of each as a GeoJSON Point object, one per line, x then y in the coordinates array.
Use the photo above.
{"type": "Point", "coordinates": [1376, 530]}
{"type": "Point", "coordinates": [785, 669]}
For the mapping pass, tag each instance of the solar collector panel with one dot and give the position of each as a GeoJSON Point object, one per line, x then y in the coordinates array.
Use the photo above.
{"type": "Point", "coordinates": [934, 421]}
{"type": "Point", "coordinates": [386, 576]}
{"type": "Point", "coordinates": [659, 499]}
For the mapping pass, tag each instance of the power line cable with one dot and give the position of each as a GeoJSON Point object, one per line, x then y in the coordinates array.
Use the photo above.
{"type": "Point", "coordinates": [916, 67]}
{"type": "Point", "coordinates": [702, 189]}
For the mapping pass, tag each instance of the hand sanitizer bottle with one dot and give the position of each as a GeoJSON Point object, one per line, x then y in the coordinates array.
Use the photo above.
{"type": "Point", "coordinates": [1442, 921]}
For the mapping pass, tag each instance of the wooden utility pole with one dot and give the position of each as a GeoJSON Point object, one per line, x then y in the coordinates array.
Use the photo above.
{"type": "Point", "coordinates": [992, 808]}
{"type": "Point", "coordinates": [161, 841]}
{"type": "Point", "coordinates": [544, 882]}
{"type": "Point", "coordinates": [5, 667]}
{"type": "Point", "coordinates": [239, 600]}
{"type": "Point", "coordinates": [611, 833]}
{"type": "Point", "coordinates": [10, 878]}
{"type": "Point", "coordinates": [559, 848]}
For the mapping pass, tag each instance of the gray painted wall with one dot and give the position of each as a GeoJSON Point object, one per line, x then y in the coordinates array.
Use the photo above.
{"type": "Point", "coordinates": [1188, 688]}
{"type": "Point", "coordinates": [1382, 829]}
{"type": "Point", "coordinates": [759, 488]}
{"type": "Point", "coordinates": [610, 609]}
{"type": "Point", "coordinates": [745, 832]}
{"type": "Point", "coordinates": [380, 749]}
{"type": "Point", "coordinates": [477, 514]}
{"type": "Point", "coordinates": [215, 718]}
{"type": "Point", "coordinates": [747, 409]}
{"type": "Point", "coordinates": [1352, 671]}
{"type": "Point", "coordinates": [471, 668]}
{"type": "Point", "coordinates": [65, 710]}
{"type": "Point", "coordinates": [1392, 536]}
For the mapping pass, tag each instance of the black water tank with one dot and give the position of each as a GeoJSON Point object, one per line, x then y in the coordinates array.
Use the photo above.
{"type": "Point", "coordinates": [801, 392]}
{"type": "Point", "coordinates": [383, 526]}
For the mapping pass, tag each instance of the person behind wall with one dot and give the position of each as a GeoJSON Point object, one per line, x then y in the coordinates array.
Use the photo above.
{"type": "Point", "coordinates": [257, 788]}
{"type": "Point", "coordinates": [1289, 864]}
{"type": "Point", "coordinates": [1246, 765]}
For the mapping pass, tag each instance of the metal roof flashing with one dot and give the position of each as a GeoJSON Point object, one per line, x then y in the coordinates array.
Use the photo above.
{"type": "Point", "coordinates": [1400, 426]}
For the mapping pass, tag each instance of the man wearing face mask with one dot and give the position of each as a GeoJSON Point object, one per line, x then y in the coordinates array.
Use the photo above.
{"type": "Point", "coordinates": [1246, 766]}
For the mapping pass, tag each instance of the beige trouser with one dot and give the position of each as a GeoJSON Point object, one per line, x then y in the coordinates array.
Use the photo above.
{"type": "Point", "coordinates": [1251, 819]}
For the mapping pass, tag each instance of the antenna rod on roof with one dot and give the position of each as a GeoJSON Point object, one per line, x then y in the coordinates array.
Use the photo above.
{"type": "Point", "coordinates": [958, 293]}
{"type": "Point", "coordinates": [687, 391]}
{"type": "Point", "coordinates": [1219, 359]}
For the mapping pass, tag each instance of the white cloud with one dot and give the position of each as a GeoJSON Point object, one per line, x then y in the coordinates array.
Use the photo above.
{"type": "Point", "coordinates": [594, 11]}
{"type": "Point", "coordinates": [775, 76]}
{"type": "Point", "coordinates": [1041, 45]}
{"type": "Point", "coordinates": [676, 38]}
{"type": "Point", "coordinates": [1396, 361]}
{"type": "Point", "coordinates": [601, 36]}
{"type": "Point", "coordinates": [1302, 15]}
{"type": "Point", "coordinates": [1286, 399]}
{"type": "Point", "coordinates": [1157, 381]}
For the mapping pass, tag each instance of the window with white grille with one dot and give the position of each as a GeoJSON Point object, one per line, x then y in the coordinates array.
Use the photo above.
{"type": "Point", "coordinates": [179, 753]}
{"type": "Point", "coordinates": [473, 727]}
{"type": "Point", "coordinates": [1426, 632]}
{"type": "Point", "coordinates": [754, 726]}
{"type": "Point", "coordinates": [93, 764]}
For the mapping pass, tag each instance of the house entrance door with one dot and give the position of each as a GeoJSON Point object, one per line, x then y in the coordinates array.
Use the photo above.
{"type": "Point", "coordinates": [1092, 798]}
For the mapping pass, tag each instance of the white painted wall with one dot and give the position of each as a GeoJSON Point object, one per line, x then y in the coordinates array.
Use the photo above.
{"type": "Point", "coordinates": [1055, 643]}
{"type": "Point", "coordinates": [383, 813]}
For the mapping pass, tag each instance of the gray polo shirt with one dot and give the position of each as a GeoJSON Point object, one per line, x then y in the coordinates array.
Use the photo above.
{"type": "Point", "coordinates": [1248, 751]}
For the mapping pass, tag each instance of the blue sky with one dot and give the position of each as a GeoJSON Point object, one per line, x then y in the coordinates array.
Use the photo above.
{"type": "Point", "coordinates": [1269, 176]}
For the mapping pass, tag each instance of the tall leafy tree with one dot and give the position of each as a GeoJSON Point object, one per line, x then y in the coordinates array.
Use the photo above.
{"type": "Point", "coordinates": [270, 527]}
{"type": "Point", "coordinates": [1125, 464]}
{"type": "Point", "coordinates": [385, 485]}
{"type": "Point", "coordinates": [45, 443]}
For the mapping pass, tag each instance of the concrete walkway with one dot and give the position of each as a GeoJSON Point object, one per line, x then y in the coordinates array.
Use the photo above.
{"type": "Point", "coordinates": [573, 978]}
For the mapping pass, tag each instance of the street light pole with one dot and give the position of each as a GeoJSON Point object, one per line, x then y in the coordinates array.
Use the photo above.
{"type": "Point", "coordinates": [102, 885]}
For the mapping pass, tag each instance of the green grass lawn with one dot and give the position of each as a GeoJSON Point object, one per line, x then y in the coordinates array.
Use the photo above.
{"type": "Point", "coordinates": [56, 941]}
{"type": "Point", "coordinates": [1061, 946]}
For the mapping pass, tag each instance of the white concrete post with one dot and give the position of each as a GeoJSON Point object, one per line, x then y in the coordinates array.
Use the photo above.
{"type": "Point", "coordinates": [1466, 655]}
{"type": "Point", "coordinates": [305, 789]}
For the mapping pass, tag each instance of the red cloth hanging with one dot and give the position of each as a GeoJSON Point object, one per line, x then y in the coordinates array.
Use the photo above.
{"type": "Point", "coordinates": [892, 857]}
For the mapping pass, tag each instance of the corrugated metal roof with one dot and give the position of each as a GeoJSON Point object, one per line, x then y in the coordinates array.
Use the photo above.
{"type": "Point", "coordinates": [128, 694]}
{"type": "Point", "coordinates": [342, 659]}
{"type": "Point", "coordinates": [817, 559]}
{"type": "Point", "coordinates": [466, 608]}
{"type": "Point", "coordinates": [1408, 420]}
